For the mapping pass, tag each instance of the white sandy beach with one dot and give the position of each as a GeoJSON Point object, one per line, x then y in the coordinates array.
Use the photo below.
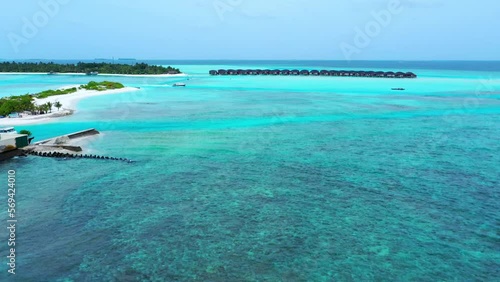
{"type": "Point", "coordinates": [68, 101]}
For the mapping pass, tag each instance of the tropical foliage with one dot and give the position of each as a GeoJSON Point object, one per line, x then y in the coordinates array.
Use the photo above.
{"type": "Point", "coordinates": [100, 86]}
{"type": "Point", "coordinates": [139, 68]}
{"type": "Point", "coordinates": [24, 131]}
{"type": "Point", "coordinates": [58, 105]}
{"type": "Point", "coordinates": [25, 103]}
{"type": "Point", "coordinates": [49, 93]}
{"type": "Point", "coordinates": [15, 104]}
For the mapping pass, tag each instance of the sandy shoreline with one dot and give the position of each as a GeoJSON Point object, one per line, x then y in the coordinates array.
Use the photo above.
{"type": "Point", "coordinates": [68, 101]}
{"type": "Point", "coordinates": [101, 74]}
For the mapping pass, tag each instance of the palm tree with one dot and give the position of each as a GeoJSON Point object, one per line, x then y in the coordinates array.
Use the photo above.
{"type": "Point", "coordinates": [49, 106]}
{"type": "Point", "coordinates": [38, 109]}
{"type": "Point", "coordinates": [58, 105]}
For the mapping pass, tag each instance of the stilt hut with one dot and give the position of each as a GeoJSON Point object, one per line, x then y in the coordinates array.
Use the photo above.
{"type": "Point", "coordinates": [390, 74]}
{"type": "Point", "coordinates": [213, 72]}
{"type": "Point", "coordinates": [294, 72]}
{"type": "Point", "coordinates": [410, 75]}
{"type": "Point", "coordinates": [315, 72]}
{"type": "Point", "coordinates": [399, 74]}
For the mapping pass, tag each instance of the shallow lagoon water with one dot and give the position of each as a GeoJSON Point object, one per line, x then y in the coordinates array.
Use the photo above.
{"type": "Point", "coordinates": [268, 178]}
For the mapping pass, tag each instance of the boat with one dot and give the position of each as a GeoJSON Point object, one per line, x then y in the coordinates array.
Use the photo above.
{"type": "Point", "coordinates": [92, 73]}
{"type": "Point", "coordinates": [179, 84]}
{"type": "Point", "coordinates": [51, 73]}
{"type": "Point", "coordinates": [398, 89]}
{"type": "Point", "coordinates": [8, 130]}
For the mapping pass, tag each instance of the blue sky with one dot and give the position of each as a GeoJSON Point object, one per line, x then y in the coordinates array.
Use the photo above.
{"type": "Point", "coordinates": [251, 29]}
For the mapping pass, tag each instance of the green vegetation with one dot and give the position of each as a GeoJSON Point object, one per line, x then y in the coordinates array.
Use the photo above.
{"type": "Point", "coordinates": [24, 131]}
{"type": "Point", "coordinates": [58, 105]}
{"type": "Point", "coordinates": [101, 86]}
{"type": "Point", "coordinates": [15, 104]}
{"type": "Point", "coordinates": [49, 93]}
{"type": "Point", "coordinates": [25, 103]}
{"type": "Point", "coordinates": [139, 68]}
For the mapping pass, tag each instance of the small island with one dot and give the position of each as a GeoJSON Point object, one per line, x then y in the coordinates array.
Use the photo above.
{"type": "Point", "coordinates": [87, 68]}
{"type": "Point", "coordinates": [38, 107]}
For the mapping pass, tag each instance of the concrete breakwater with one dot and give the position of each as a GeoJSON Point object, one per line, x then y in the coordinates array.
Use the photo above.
{"type": "Point", "coordinates": [62, 155]}
{"type": "Point", "coordinates": [68, 137]}
{"type": "Point", "coordinates": [64, 147]}
{"type": "Point", "coordinates": [296, 72]}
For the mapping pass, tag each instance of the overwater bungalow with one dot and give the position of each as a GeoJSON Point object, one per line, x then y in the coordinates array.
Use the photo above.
{"type": "Point", "coordinates": [390, 74]}
{"type": "Point", "coordinates": [324, 73]}
{"type": "Point", "coordinates": [334, 73]}
{"type": "Point", "coordinates": [399, 74]}
{"type": "Point", "coordinates": [410, 75]}
{"type": "Point", "coordinates": [350, 73]}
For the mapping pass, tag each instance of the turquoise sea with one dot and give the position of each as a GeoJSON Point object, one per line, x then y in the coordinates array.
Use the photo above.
{"type": "Point", "coordinates": [268, 178]}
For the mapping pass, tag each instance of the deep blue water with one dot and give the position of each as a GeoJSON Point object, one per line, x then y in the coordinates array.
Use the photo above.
{"type": "Point", "coordinates": [269, 179]}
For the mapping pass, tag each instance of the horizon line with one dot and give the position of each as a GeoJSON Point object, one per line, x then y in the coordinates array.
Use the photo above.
{"type": "Point", "coordinates": [274, 60]}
